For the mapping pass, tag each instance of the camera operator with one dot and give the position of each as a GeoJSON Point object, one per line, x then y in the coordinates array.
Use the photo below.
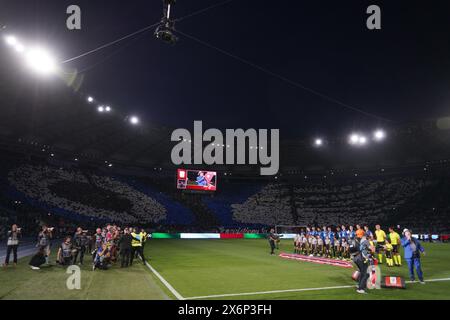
{"type": "Point", "coordinates": [12, 244]}
{"type": "Point", "coordinates": [102, 258]}
{"type": "Point", "coordinates": [44, 241]}
{"type": "Point", "coordinates": [64, 256]}
{"type": "Point", "coordinates": [80, 243]}
{"type": "Point", "coordinates": [38, 259]}
{"type": "Point", "coordinates": [361, 256]}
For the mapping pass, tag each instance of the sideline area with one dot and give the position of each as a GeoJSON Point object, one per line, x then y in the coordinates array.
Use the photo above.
{"type": "Point", "coordinates": [218, 269]}
{"type": "Point", "coordinates": [49, 283]}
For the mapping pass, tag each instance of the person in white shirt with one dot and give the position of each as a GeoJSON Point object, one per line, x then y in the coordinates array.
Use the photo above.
{"type": "Point", "coordinates": [320, 249]}
{"type": "Point", "coordinates": [297, 243]}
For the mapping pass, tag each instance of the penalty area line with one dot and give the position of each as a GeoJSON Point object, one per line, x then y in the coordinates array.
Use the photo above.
{"type": "Point", "coordinates": [165, 283]}
{"type": "Point", "coordinates": [289, 290]}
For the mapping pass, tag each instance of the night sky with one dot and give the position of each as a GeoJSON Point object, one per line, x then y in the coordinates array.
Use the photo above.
{"type": "Point", "coordinates": [401, 72]}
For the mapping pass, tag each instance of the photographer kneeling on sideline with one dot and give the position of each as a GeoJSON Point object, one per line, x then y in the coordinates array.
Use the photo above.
{"type": "Point", "coordinates": [65, 256]}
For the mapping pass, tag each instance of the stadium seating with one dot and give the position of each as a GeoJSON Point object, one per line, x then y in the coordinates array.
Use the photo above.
{"type": "Point", "coordinates": [416, 202]}
{"type": "Point", "coordinates": [73, 194]}
{"type": "Point", "coordinates": [36, 182]}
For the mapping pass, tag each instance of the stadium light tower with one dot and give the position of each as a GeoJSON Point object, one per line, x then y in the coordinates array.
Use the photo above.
{"type": "Point", "coordinates": [11, 40]}
{"type": "Point", "coordinates": [40, 61]}
{"type": "Point", "coordinates": [379, 135]}
{"type": "Point", "coordinates": [134, 120]}
{"type": "Point", "coordinates": [318, 142]}
{"type": "Point", "coordinates": [362, 140]}
{"type": "Point", "coordinates": [354, 138]}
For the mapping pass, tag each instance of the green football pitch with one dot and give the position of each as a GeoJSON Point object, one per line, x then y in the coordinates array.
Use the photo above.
{"type": "Point", "coordinates": [220, 269]}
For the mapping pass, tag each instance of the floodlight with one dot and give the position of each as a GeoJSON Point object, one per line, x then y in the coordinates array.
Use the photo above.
{"type": "Point", "coordinates": [90, 99]}
{"type": "Point", "coordinates": [362, 140]}
{"type": "Point", "coordinates": [354, 138]}
{"type": "Point", "coordinates": [40, 61]}
{"type": "Point", "coordinates": [134, 120]}
{"type": "Point", "coordinates": [11, 40]}
{"type": "Point", "coordinates": [318, 142]}
{"type": "Point", "coordinates": [19, 48]}
{"type": "Point", "coordinates": [379, 135]}
{"type": "Point", "coordinates": [101, 109]}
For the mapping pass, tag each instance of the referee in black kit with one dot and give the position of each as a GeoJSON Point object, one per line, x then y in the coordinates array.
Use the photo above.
{"type": "Point", "coordinates": [273, 237]}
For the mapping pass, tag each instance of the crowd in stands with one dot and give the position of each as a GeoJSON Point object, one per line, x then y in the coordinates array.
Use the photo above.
{"type": "Point", "coordinates": [271, 206]}
{"type": "Point", "coordinates": [413, 201]}
{"type": "Point", "coordinates": [419, 202]}
{"type": "Point", "coordinates": [36, 183]}
{"type": "Point", "coordinates": [368, 201]}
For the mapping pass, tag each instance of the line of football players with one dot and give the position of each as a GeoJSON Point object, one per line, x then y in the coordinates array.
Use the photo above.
{"type": "Point", "coordinates": [325, 242]}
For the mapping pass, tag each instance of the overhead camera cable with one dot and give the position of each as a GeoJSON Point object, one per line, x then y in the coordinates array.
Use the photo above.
{"type": "Point", "coordinates": [283, 78]}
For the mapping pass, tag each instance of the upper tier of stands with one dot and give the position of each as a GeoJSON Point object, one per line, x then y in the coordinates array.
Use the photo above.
{"type": "Point", "coordinates": [419, 201]}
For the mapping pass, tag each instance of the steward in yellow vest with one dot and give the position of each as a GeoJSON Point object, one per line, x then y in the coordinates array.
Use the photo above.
{"type": "Point", "coordinates": [136, 247]}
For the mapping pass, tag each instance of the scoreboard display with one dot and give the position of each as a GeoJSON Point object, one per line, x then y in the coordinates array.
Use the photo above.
{"type": "Point", "coordinates": [200, 180]}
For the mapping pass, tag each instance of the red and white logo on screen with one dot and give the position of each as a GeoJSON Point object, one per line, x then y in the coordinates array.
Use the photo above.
{"type": "Point", "coordinates": [209, 176]}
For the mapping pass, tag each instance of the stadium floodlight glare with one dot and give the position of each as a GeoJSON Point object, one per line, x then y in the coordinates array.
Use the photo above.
{"type": "Point", "coordinates": [101, 109]}
{"type": "Point", "coordinates": [11, 40]}
{"type": "Point", "coordinates": [108, 109]}
{"type": "Point", "coordinates": [379, 135]}
{"type": "Point", "coordinates": [134, 120]}
{"type": "Point", "coordinates": [90, 99]}
{"type": "Point", "coordinates": [362, 140]}
{"type": "Point", "coordinates": [40, 61]}
{"type": "Point", "coordinates": [318, 142]}
{"type": "Point", "coordinates": [19, 48]}
{"type": "Point", "coordinates": [354, 138]}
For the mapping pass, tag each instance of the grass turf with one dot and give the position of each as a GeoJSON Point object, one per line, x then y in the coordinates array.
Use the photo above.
{"type": "Point", "coordinates": [49, 283]}
{"type": "Point", "coordinates": [213, 267]}
{"type": "Point", "coordinates": [210, 267]}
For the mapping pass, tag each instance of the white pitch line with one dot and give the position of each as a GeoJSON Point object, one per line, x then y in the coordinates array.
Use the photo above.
{"type": "Point", "coordinates": [164, 281]}
{"type": "Point", "coordinates": [289, 290]}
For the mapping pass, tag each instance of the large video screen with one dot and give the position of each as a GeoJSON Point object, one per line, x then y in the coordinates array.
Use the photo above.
{"type": "Point", "coordinates": [202, 180]}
